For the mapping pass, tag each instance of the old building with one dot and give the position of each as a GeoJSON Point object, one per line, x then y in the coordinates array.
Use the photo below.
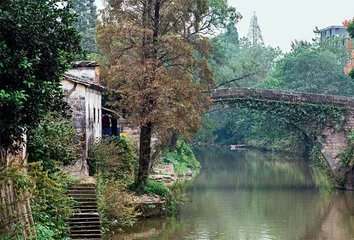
{"type": "Point", "coordinates": [83, 92]}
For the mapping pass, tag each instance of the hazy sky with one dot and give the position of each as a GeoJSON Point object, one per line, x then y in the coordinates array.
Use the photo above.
{"type": "Point", "coordinates": [282, 21]}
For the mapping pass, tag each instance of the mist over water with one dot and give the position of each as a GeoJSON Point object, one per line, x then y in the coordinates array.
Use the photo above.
{"type": "Point", "coordinates": [254, 195]}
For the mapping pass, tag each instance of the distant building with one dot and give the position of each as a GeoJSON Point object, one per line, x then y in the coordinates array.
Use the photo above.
{"type": "Point", "coordinates": [83, 92]}
{"type": "Point", "coordinates": [333, 31]}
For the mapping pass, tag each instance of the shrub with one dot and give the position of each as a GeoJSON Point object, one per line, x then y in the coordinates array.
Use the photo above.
{"type": "Point", "coordinates": [53, 143]}
{"type": "Point", "coordinates": [115, 203]}
{"type": "Point", "coordinates": [182, 158]}
{"type": "Point", "coordinates": [161, 190]}
{"type": "Point", "coordinates": [157, 188]}
{"type": "Point", "coordinates": [50, 204]}
{"type": "Point", "coordinates": [113, 158]}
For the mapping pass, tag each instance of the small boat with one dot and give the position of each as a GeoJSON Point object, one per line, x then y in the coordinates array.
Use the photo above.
{"type": "Point", "coordinates": [238, 147]}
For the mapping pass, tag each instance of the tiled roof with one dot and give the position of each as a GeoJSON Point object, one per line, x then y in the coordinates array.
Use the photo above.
{"type": "Point", "coordinates": [84, 81]}
{"type": "Point", "coordinates": [78, 64]}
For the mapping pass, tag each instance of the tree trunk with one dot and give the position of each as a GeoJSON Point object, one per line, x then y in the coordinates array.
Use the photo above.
{"type": "Point", "coordinates": [144, 155]}
{"type": "Point", "coordinates": [173, 141]}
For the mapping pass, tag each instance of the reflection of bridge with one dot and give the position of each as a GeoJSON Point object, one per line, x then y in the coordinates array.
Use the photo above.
{"type": "Point", "coordinates": [335, 140]}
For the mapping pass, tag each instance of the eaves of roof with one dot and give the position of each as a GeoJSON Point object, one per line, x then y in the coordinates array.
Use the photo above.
{"type": "Point", "coordinates": [84, 81]}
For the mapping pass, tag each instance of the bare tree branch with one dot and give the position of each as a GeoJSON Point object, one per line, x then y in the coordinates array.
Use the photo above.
{"type": "Point", "coordinates": [236, 79]}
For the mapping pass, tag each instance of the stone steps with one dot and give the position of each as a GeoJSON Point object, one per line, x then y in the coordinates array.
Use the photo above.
{"type": "Point", "coordinates": [85, 223]}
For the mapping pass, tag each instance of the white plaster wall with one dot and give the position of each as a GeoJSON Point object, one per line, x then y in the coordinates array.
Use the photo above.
{"type": "Point", "coordinates": [93, 120]}
{"type": "Point", "coordinates": [97, 124]}
{"type": "Point", "coordinates": [68, 85]}
{"type": "Point", "coordinates": [83, 72]}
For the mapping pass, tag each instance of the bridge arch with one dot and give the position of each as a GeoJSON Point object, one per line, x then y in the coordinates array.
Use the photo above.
{"type": "Point", "coordinates": [325, 119]}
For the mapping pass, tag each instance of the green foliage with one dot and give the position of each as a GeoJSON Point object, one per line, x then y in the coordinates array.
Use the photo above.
{"type": "Point", "coordinates": [157, 188]}
{"type": "Point", "coordinates": [240, 61]}
{"type": "Point", "coordinates": [351, 74]}
{"type": "Point", "coordinates": [115, 203]}
{"type": "Point", "coordinates": [310, 67]}
{"type": "Point", "coordinates": [320, 163]}
{"type": "Point", "coordinates": [113, 158]}
{"type": "Point", "coordinates": [37, 43]}
{"type": "Point", "coordinates": [206, 134]}
{"type": "Point", "coordinates": [313, 68]}
{"type": "Point", "coordinates": [347, 155]}
{"type": "Point", "coordinates": [350, 29]}
{"type": "Point", "coordinates": [53, 142]}
{"type": "Point", "coordinates": [44, 232]}
{"type": "Point", "coordinates": [310, 117]}
{"type": "Point", "coordinates": [51, 207]}
{"type": "Point", "coordinates": [182, 158]}
{"type": "Point", "coordinates": [85, 24]}
{"type": "Point", "coordinates": [12, 225]}
{"type": "Point", "coordinates": [49, 203]}
{"type": "Point", "coordinates": [161, 190]}
{"type": "Point", "coordinates": [297, 125]}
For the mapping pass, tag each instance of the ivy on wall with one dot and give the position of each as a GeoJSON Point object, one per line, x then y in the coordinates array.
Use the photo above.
{"type": "Point", "coordinates": [309, 118]}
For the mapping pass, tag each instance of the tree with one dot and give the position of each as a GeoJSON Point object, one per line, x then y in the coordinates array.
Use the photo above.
{"type": "Point", "coordinates": [238, 62]}
{"type": "Point", "coordinates": [37, 43]}
{"type": "Point", "coordinates": [85, 24]}
{"type": "Point", "coordinates": [349, 68]}
{"type": "Point", "coordinates": [156, 55]}
{"type": "Point", "coordinates": [313, 68]}
{"type": "Point", "coordinates": [254, 31]}
{"type": "Point", "coordinates": [53, 142]}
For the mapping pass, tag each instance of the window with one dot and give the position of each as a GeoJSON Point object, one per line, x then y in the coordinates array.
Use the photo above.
{"type": "Point", "coordinates": [94, 114]}
{"type": "Point", "coordinates": [98, 115]}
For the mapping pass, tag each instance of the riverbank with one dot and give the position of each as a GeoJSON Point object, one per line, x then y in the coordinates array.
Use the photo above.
{"type": "Point", "coordinates": [114, 162]}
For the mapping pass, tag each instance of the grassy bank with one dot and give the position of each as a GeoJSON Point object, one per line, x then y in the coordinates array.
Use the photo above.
{"type": "Point", "coordinates": [114, 163]}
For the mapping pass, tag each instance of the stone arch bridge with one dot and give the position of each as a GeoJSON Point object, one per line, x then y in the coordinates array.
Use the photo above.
{"type": "Point", "coordinates": [331, 140]}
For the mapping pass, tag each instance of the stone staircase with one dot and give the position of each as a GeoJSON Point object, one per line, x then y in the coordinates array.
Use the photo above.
{"type": "Point", "coordinates": [85, 223]}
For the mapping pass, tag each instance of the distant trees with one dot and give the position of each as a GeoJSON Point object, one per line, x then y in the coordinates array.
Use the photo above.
{"type": "Point", "coordinates": [85, 24]}
{"type": "Point", "coordinates": [37, 44]}
{"type": "Point", "coordinates": [313, 68]}
{"type": "Point", "coordinates": [156, 55]}
{"type": "Point", "coordinates": [236, 62]}
{"type": "Point", "coordinates": [254, 32]}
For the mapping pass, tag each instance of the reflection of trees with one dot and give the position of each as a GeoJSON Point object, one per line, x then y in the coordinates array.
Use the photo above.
{"type": "Point", "coordinates": [152, 228]}
{"type": "Point", "coordinates": [251, 169]}
{"type": "Point", "coordinates": [256, 214]}
{"type": "Point", "coordinates": [230, 200]}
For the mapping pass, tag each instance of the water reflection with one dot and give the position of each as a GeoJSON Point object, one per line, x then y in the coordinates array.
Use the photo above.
{"type": "Point", "coordinates": [254, 195]}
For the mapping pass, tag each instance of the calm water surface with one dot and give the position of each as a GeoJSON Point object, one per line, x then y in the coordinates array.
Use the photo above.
{"type": "Point", "coordinates": [254, 195]}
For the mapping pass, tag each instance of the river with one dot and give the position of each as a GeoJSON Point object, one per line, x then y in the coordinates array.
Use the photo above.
{"type": "Point", "coordinates": [253, 195]}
